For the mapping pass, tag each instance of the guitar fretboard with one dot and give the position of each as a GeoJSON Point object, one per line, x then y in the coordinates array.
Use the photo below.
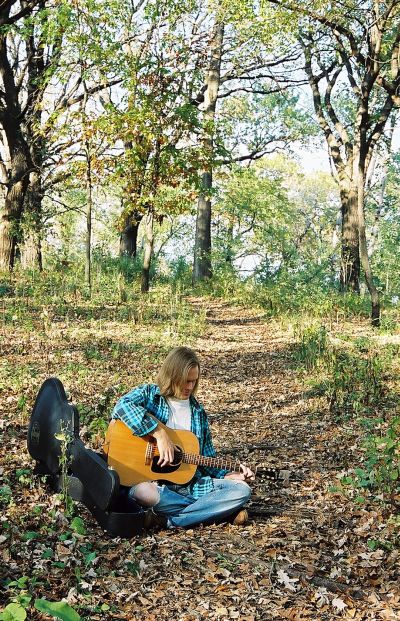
{"type": "Point", "coordinates": [232, 466]}
{"type": "Point", "coordinates": [212, 462]}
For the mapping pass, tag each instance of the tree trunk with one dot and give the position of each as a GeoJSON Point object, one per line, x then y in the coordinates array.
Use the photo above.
{"type": "Point", "coordinates": [31, 249]}
{"type": "Point", "coordinates": [8, 226]}
{"type": "Point", "coordinates": [365, 262]}
{"type": "Point", "coordinates": [148, 252]}
{"type": "Point", "coordinates": [16, 161]}
{"type": "Point", "coordinates": [202, 257]}
{"type": "Point", "coordinates": [129, 235]}
{"type": "Point", "coordinates": [10, 219]}
{"type": "Point", "coordinates": [229, 244]}
{"type": "Point", "coordinates": [89, 213]}
{"type": "Point", "coordinates": [350, 253]}
{"type": "Point", "coordinates": [202, 250]}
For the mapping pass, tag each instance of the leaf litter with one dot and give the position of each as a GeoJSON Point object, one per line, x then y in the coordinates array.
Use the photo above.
{"type": "Point", "coordinates": [304, 553]}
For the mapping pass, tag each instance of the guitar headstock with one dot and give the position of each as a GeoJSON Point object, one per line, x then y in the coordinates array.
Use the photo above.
{"type": "Point", "coordinates": [275, 474]}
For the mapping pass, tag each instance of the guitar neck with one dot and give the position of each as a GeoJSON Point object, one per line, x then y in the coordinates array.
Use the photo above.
{"type": "Point", "coordinates": [233, 466]}
{"type": "Point", "coordinates": [135, 458]}
{"type": "Point", "coordinates": [211, 462]}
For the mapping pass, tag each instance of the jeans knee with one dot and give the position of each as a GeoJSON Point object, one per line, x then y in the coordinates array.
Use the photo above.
{"type": "Point", "coordinates": [146, 494]}
{"type": "Point", "coordinates": [245, 490]}
{"type": "Point", "coordinates": [240, 490]}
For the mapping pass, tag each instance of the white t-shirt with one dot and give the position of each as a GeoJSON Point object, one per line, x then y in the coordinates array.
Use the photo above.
{"type": "Point", "coordinates": [180, 415]}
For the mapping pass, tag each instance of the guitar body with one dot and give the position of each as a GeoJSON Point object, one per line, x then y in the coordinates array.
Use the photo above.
{"type": "Point", "coordinates": [135, 458]}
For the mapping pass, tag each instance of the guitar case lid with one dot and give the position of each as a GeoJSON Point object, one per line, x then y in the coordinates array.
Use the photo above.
{"type": "Point", "coordinates": [52, 415]}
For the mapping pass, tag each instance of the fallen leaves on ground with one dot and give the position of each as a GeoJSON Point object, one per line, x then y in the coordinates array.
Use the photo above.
{"type": "Point", "coordinates": [305, 553]}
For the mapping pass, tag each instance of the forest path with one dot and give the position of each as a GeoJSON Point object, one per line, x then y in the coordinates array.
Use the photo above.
{"type": "Point", "coordinates": [257, 403]}
{"type": "Point", "coordinates": [310, 559]}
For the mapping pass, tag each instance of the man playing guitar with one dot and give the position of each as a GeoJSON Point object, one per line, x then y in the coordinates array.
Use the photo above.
{"type": "Point", "coordinates": [213, 494]}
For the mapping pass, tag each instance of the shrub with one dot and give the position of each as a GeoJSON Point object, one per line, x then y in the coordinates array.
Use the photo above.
{"type": "Point", "coordinates": [356, 381]}
{"type": "Point", "coordinates": [311, 345]}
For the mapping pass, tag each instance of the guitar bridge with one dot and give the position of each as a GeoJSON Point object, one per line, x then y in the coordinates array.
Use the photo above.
{"type": "Point", "coordinates": [148, 456]}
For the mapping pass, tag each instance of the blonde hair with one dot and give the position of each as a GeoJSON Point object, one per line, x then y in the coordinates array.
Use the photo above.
{"type": "Point", "coordinates": [175, 369]}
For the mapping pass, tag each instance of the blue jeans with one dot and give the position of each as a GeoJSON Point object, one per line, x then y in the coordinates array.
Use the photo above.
{"type": "Point", "coordinates": [181, 509]}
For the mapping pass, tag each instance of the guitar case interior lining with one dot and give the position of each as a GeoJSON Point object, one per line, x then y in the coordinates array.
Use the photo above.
{"type": "Point", "coordinates": [90, 480]}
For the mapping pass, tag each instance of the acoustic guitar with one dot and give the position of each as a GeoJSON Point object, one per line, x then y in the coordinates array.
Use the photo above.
{"type": "Point", "coordinates": [135, 458]}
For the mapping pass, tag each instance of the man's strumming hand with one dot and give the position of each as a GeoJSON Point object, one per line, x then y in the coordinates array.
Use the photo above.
{"type": "Point", "coordinates": [165, 447]}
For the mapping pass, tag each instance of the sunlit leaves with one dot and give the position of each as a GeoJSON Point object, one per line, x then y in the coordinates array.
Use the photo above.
{"type": "Point", "coordinates": [13, 612]}
{"type": "Point", "coordinates": [262, 123]}
{"type": "Point", "coordinates": [278, 214]}
{"type": "Point", "coordinates": [60, 610]}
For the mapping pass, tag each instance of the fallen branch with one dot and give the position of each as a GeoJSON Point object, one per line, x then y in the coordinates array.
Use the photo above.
{"type": "Point", "coordinates": [321, 580]}
{"type": "Point", "coordinates": [260, 509]}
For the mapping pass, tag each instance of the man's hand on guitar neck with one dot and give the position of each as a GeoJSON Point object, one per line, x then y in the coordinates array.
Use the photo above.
{"type": "Point", "coordinates": [165, 447]}
{"type": "Point", "coordinates": [245, 474]}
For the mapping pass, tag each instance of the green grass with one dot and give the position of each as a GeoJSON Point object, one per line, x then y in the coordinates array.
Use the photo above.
{"type": "Point", "coordinates": [96, 346]}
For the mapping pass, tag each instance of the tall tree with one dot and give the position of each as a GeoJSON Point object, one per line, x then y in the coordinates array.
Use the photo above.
{"type": "Point", "coordinates": [351, 59]}
{"type": "Point", "coordinates": [241, 54]}
{"type": "Point", "coordinates": [46, 48]}
{"type": "Point", "coordinates": [202, 254]}
{"type": "Point", "coordinates": [157, 124]}
{"type": "Point", "coordinates": [15, 157]}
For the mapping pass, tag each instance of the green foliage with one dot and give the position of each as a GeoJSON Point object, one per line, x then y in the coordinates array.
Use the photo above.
{"type": "Point", "coordinates": [78, 526]}
{"type": "Point", "coordinates": [353, 377]}
{"type": "Point", "coordinates": [384, 201]}
{"type": "Point", "coordinates": [288, 295]}
{"type": "Point", "coordinates": [258, 121]}
{"type": "Point", "coordinates": [277, 222]}
{"type": "Point", "coordinates": [21, 592]}
{"type": "Point", "coordinates": [382, 451]}
{"type": "Point", "coordinates": [59, 610]}
{"type": "Point", "coordinates": [356, 379]}
{"type": "Point", "coordinates": [65, 438]}
{"type": "Point", "coordinates": [60, 294]}
{"type": "Point", "coordinates": [5, 495]}
{"type": "Point", "coordinates": [89, 555]}
{"type": "Point", "coordinates": [13, 612]}
{"type": "Point", "coordinates": [381, 467]}
{"type": "Point", "coordinates": [5, 289]}
{"type": "Point", "coordinates": [180, 274]}
{"type": "Point", "coordinates": [21, 583]}
{"type": "Point", "coordinates": [311, 345]}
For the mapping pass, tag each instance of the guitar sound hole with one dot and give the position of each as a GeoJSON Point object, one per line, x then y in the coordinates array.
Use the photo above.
{"type": "Point", "coordinates": [170, 467]}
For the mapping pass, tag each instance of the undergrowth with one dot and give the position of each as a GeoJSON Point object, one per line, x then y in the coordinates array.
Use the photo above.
{"type": "Point", "coordinates": [83, 340]}
{"type": "Point", "coordinates": [287, 299]}
{"type": "Point", "coordinates": [357, 377]}
{"type": "Point", "coordinates": [76, 334]}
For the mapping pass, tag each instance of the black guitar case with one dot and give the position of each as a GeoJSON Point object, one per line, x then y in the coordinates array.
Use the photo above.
{"type": "Point", "coordinates": [90, 480]}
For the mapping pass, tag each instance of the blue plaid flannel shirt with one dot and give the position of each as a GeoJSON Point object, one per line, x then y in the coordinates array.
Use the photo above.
{"type": "Point", "coordinates": [132, 408]}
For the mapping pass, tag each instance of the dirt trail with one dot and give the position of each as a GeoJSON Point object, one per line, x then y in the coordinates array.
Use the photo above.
{"type": "Point", "coordinates": [253, 395]}
{"type": "Point", "coordinates": [309, 560]}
